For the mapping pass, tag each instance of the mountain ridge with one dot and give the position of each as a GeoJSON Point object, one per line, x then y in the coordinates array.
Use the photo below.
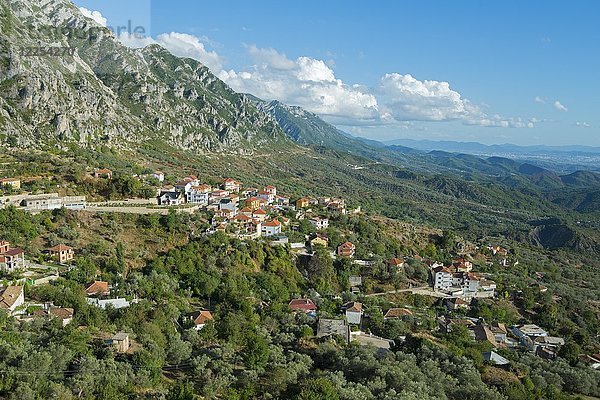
{"type": "Point", "coordinates": [109, 93]}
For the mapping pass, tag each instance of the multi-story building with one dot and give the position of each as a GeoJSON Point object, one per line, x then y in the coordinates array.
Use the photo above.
{"type": "Point", "coordinates": [319, 223]}
{"type": "Point", "coordinates": [11, 259]}
{"type": "Point", "coordinates": [442, 278]}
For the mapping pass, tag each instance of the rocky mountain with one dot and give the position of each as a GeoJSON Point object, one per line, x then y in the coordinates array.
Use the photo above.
{"type": "Point", "coordinates": [65, 78]}
{"type": "Point", "coordinates": [304, 126]}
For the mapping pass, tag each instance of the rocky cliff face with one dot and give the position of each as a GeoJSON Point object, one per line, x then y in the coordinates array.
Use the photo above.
{"type": "Point", "coordinates": [104, 92]}
{"type": "Point", "coordinates": [303, 126]}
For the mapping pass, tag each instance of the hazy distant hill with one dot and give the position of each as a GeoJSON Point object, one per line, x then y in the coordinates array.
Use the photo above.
{"type": "Point", "coordinates": [479, 148]}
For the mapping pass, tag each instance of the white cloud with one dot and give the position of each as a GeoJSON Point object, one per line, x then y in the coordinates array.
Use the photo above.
{"type": "Point", "coordinates": [559, 106]}
{"type": "Point", "coordinates": [180, 44]}
{"type": "Point", "coordinates": [184, 45]}
{"type": "Point", "coordinates": [94, 15]}
{"type": "Point", "coordinates": [272, 58]}
{"type": "Point", "coordinates": [306, 82]}
{"type": "Point", "coordinates": [406, 98]}
{"type": "Point", "coordinates": [540, 100]}
{"type": "Point", "coordinates": [311, 83]}
{"type": "Point", "coordinates": [582, 124]}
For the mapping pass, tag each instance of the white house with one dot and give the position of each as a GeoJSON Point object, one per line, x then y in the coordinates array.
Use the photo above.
{"type": "Point", "coordinates": [200, 318]}
{"type": "Point", "coordinates": [159, 176]}
{"type": "Point", "coordinates": [471, 283]}
{"type": "Point", "coordinates": [53, 202]}
{"type": "Point", "coordinates": [354, 312]}
{"type": "Point", "coordinates": [171, 198]}
{"type": "Point", "coordinates": [216, 195]}
{"type": "Point", "coordinates": [231, 185]}
{"type": "Point", "coordinates": [529, 330]}
{"type": "Point", "coordinates": [319, 223]}
{"type": "Point", "coordinates": [11, 259]}
{"type": "Point", "coordinates": [115, 303]}
{"type": "Point", "coordinates": [266, 196]}
{"type": "Point", "coordinates": [442, 278]}
{"type": "Point", "coordinates": [11, 298]}
{"type": "Point", "coordinates": [271, 189]}
{"type": "Point", "coordinates": [198, 195]}
{"type": "Point", "coordinates": [228, 204]}
{"type": "Point", "coordinates": [260, 215]}
{"type": "Point", "coordinates": [282, 201]}
{"type": "Point", "coordinates": [487, 285]}
{"type": "Point", "coordinates": [184, 185]}
{"type": "Point", "coordinates": [271, 228]}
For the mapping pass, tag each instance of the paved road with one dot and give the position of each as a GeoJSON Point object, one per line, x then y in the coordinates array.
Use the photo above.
{"type": "Point", "coordinates": [422, 290]}
{"type": "Point", "coordinates": [138, 210]}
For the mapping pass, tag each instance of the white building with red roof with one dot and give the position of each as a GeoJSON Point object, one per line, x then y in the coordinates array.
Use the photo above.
{"type": "Point", "coordinates": [442, 278]}
{"type": "Point", "coordinates": [200, 318]}
{"type": "Point", "coordinates": [231, 185]}
{"type": "Point", "coordinates": [271, 228]}
{"type": "Point", "coordinates": [11, 259]}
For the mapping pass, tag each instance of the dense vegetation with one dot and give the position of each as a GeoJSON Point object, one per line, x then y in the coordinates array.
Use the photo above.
{"type": "Point", "coordinates": [255, 348]}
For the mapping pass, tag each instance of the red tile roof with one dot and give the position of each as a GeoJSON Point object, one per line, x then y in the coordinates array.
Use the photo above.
{"type": "Point", "coordinates": [201, 317]}
{"type": "Point", "coordinates": [353, 306]}
{"type": "Point", "coordinates": [13, 252]}
{"type": "Point", "coordinates": [272, 223]}
{"type": "Point", "coordinates": [305, 305]}
{"type": "Point", "coordinates": [397, 312]}
{"type": "Point", "coordinates": [60, 247]}
{"type": "Point", "coordinates": [97, 287]}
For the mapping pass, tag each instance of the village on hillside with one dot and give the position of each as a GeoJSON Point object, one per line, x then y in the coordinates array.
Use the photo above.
{"type": "Point", "coordinates": [250, 213]}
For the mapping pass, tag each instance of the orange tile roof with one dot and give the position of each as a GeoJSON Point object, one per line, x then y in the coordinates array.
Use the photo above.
{"type": "Point", "coordinates": [272, 223]}
{"type": "Point", "coordinates": [353, 306]}
{"type": "Point", "coordinates": [397, 312]}
{"type": "Point", "coordinates": [201, 317]}
{"type": "Point", "coordinates": [97, 287]}
{"type": "Point", "coordinates": [60, 247]}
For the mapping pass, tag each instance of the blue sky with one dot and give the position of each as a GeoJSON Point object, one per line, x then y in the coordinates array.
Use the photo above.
{"type": "Point", "coordinates": [494, 72]}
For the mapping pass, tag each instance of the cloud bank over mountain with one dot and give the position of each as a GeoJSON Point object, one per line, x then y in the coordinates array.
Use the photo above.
{"type": "Point", "coordinates": [397, 100]}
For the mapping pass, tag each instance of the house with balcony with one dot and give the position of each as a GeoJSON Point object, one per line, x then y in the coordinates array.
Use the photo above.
{"type": "Point", "coordinates": [11, 259]}
{"type": "Point", "coordinates": [346, 249]}
{"type": "Point", "coordinates": [319, 223]}
{"type": "Point", "coordinates": [62, 253]}
{"type": "Point", "coordinates": [441, 278]}
{"type": "Point", "coordinates": [271, 228]}
{"type": "Point", "coordinates": [231, 185]}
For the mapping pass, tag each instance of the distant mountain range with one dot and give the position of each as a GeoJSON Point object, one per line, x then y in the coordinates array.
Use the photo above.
{"type": "Point", "coordinates": [479, 148]}
{"type": "Point", "coordinates": [106, 95]}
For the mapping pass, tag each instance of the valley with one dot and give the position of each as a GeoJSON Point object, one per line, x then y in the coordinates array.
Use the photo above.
{"type": "Point", "coordinates": [165, 237]}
